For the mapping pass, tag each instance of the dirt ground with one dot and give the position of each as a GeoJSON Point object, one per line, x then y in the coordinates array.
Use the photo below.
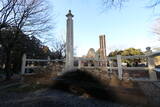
{"type": "Point", "coordinates": [79, 90]}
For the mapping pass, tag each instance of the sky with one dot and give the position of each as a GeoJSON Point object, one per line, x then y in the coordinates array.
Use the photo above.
{"type": "Point", "coordinates": [130, 26]}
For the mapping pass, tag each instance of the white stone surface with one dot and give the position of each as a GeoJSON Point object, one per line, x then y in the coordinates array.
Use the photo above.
{"type": "Point", "coordinates": [119, 66]}
{"type": "Point", "coordinates": [151, 66]}
{"type": "Point", "coordinates": [69, 43]}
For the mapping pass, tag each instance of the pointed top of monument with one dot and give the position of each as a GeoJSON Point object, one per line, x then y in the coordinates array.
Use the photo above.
{"type": "Point", "coordinates": [70, 14]}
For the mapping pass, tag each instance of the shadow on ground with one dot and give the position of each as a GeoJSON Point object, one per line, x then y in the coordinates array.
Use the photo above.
{"type": "Point", "coordinates": [83, 84]}
{"type": "Point", "coordinates": [87, 85]}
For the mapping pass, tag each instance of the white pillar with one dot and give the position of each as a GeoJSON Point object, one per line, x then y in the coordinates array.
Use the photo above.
{"type": "Point", "coordinates": [110, 66]}
{"type": "Point", "coordinates": [69, 43]}
{"type": "Point", "coordinates": [49, 59]}
{"type": "Point", "coordinates": [79, 64]}
{"type": "Point", "coordinates": [151, 66]}
{"type": "Point", "coordinates": [23, 64]}
{"type": "Point", "coordinates": [96, 63]}
{"type": "Point", "coordinates": [89, 64]}
{"type": "Point", "coordinates": [119, 62]}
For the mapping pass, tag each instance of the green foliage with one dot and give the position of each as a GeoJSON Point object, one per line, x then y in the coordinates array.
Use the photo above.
{"type": "Point", "coordinates": [128, 52]}
{"type": "Point", "coordinates": [114, 53]}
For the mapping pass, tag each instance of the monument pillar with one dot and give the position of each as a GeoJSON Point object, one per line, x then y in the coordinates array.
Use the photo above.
{"type": "Point", "coordinates": [102, 42]}
{"type": "Point", "coordinates": [69, 43]}
{"type": "Point", "coordinates": [103, 56]}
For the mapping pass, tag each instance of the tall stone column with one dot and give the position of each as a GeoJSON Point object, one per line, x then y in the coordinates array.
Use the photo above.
{"type": "Point", "coordinates": [103, 56]}
{"type": "Point", "coordinates": [102, 42]}
{"type": "Point", "coordinates": [69, 43]}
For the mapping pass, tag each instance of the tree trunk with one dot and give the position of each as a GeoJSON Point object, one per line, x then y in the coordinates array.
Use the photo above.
{"type": "Point", "coordinates": [8, 65]}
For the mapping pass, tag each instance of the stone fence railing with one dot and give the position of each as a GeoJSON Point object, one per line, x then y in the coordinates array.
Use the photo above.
{"type": "Point", "coordinates": [103, 63]}
{"type": "Point", "coordinates": [25, 66]}
{"type": "Point", "coordinates": [120, 68]}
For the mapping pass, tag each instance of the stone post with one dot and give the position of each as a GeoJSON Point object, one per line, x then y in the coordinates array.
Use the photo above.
{"type": "Point", "coordinates": [89, 64]}
{"type": "Point", "coordinates": [96, 63]}
{"type": "Point", "coordinates": [49, 59]}
{"type": "Point", "coordinates": [110, 66]}
{"type": "Point", "coordinates": [79, 64]}
{"type": "Point", "coordinates": [23, 64]}
{"type": "Point", "coordinates": [119, 62]}
{"type": "Point", "coordinates": [151, 66]}
{"type": "Point", "coordinates": [69, 43]}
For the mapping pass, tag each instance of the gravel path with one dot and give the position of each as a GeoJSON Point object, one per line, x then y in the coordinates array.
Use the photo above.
{"type": "Point", "coordinates": [152, 92]}
{"type": "Point", "coordinates": [57, 98]}
{"type": "Point", "coordinates": [53, 98]}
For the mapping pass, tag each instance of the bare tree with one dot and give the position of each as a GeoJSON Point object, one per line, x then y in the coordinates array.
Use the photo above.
{"type": "Point", "coordinates": [156, 27]}
{"type": "Point", "coordinates": [113, 3]}
{"type": "Point", "coordinates": [119, 3]}
{"type": "Point", "coordinates": [30, 16]}
{"type": "Point", "coordinates": [154, 3]}
{"type": "Point", "coordinates": [59, 49]}
{"type": "Point", "coordinates": [19, 17]}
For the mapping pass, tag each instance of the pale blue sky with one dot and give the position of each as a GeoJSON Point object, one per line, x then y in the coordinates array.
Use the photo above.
{"type": "Point", "coordinates": [125, 28]}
